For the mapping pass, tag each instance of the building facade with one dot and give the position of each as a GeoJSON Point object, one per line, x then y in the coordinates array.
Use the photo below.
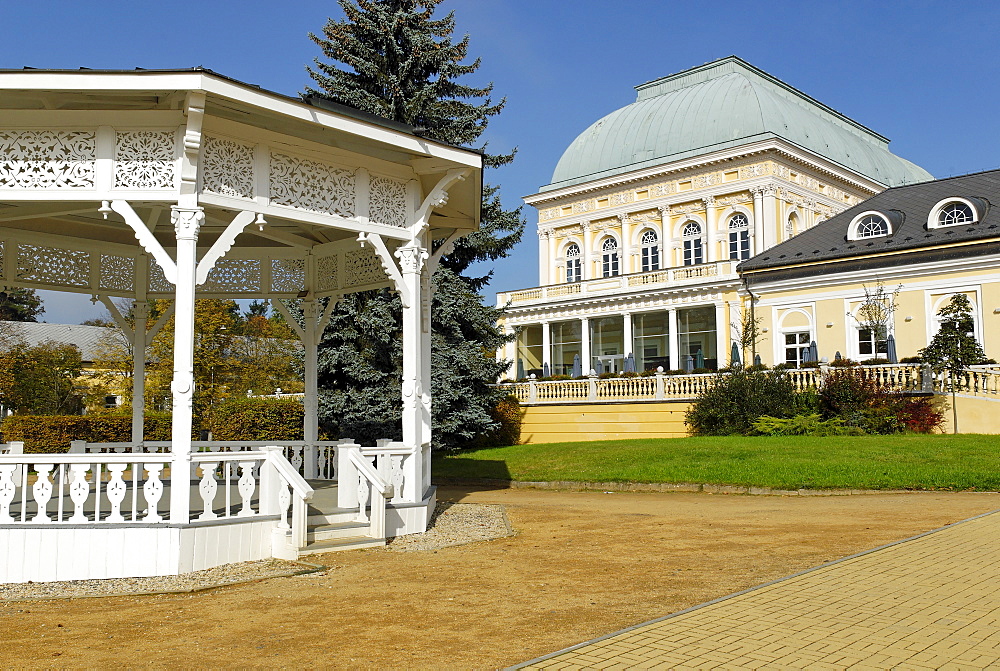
{"type": "Point", "coordinates": [652, 208]}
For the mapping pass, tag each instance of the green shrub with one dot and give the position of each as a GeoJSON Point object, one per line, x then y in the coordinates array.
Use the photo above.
{"type": "Point", "coordinates": [863, 402]}
{"type": "Point", "coordinates": [509, 415]}
{"type": "Point", "coordinates": [804, 425]}
{"type": "Point", "coordinates": [53, 433]}
{"type": "Point", "coordinates": [737, 400]}
{"type": "Point", "coordinates": [257, 419]}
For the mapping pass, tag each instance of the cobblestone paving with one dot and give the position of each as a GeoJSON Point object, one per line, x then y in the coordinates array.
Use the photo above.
{"type": "Point", "coordinates": [930, 602]}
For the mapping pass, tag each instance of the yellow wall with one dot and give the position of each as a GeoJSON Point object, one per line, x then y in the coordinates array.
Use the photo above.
{"type": "Point", "coordinates": [607, 421]}
{"type": "Point", "coordinates": [975, 415]}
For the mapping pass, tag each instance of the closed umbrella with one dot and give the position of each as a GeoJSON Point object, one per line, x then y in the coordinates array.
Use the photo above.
{"type": "Point", "coordinates": [520, 369]}
{"type": "Point", "coordinates": [577, 370]}
{"type": "Point", "coordinates": [756, 359]}
{"type": "Point", "coordinates": [734, 356]}
{"type": "Point", "coordinates": [545, 369]}
{"type": "Point", "coordinates": [837, 357]}
{"type": "Point", "coordinates": [699, 359]}
{"type": "Point", "coordinates": [630, 363]}
{"type": "Point", "coordinates": [890, 349]}
{"type": "Point", "coordinates": [688, 363]}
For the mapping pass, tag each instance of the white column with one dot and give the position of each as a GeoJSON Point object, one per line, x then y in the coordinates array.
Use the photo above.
{"type": "Point", "coordinates": [585, 363]}
{"type": "Point", "coordinates": [310, 402]}
{"type": "Point", "coordinates": [423, 466]}
{"type": "Point", "coordinates": [627, 333]}
{"type": "Point", "coordinates": [509, 352]}
{"type": "Point", "coordinates": [140, 313]}
{"type": "Point", "coordinates": [711, 235]}
{"type": "Point", "coordinates": [547, 347]}
{"type": "Point", "coordinates": [722, 335]}
{"type": "Point", "coordinates": [544, 260]}
{"type": "Point", "coordinates": [411, 261]}
{"type": "Point", "coordinates": [757, 225]}
{"type": "Point", "coordinates": [187, 221]}
{"type": "Point", "coordinates": [588, 252]}
{"type": "Point", "coordinates": [769, 217]}
{"type": "Point", "coordinates": [626, 258]}
{"type": "Point", "coordinates": [673, 338]}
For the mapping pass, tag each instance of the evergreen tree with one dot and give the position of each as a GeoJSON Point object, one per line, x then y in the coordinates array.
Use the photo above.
{"type": "Point", "coordinates": [954, 347]}
{"type": "Point", "coordinates": [393, 59]}
{"type": "Point", "coordinates": [20, 305]}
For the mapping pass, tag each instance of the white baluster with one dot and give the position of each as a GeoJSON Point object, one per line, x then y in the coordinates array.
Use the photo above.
{"type": "Point", "coordinates": [297, 457]}
{"type": "Point", "coordinates": [362, 499]}
{"type": "Point", "coordinates": [79, 490]}
{"type": "Point", "coordinates": [322, 462]}
{"type": "Point", "coordinates": [396, 475]}
{"type": "Point", "coordinates": [7, 490]}
{"type": "Point", "coordinates": [152, 489]}
{"type": "Point", "coordinates": [115, 489]}
{"type": "Point", "coordinates": [207, 488]}
{"type": "Point", "coordinates": [42, 490]}
{"type": "Point", "coordinates": [284, 500]}
{"type": "Point", "coordinates": [246, 486]}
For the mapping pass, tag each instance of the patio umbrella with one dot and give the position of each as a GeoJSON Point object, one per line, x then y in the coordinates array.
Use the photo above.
{"type": "Point", "coordinates": [837, 357]}
{"type": "Point", "coordinates": [520, 369]}
{"type": "Point", "coordinates": [699, 359]}
{"type": "Point", "coordinates": [545, 369]}
{"type": "Point", "coordinates": [688, 363]}
{"type": "Point", "coordinates": [577, 370]}
{"type": "Point", "coordinates": [734, 356]}
{"type": "Point", "coordinates": [890, 349]}
{"type": "Point", "coordinates": [756, 359]}
{"type": "Point", "coordinates": [629, 363]}
{"type": "Point", "coordinates": [811, 354]}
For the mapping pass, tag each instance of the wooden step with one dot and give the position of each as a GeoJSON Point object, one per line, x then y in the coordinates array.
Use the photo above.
{"type": "Point", "coordinates": [338, 544]}
{"type": "Point", "coordinates": [325, 532]}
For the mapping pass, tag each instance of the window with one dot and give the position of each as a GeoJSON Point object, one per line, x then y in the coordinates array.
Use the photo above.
{"type": "Point", "coordinates": [609, 257]}
{"type": "Point", "coordinates": [870, 226]}
{"type": "Point", "coordinates": [953, 214]}
{"type": "Point", "coordinates": [872, 341]}
{"type": "Point", "coordinates": [693, 253]}
{"type": "Point", "coordinates": [650, 251]}
{"type": "Point", "coordinates": [791, 226]}
{"type": "Point", "coordinates": [739, 237]}
{"type": "Point", "coordinates": [796, 346]}
{"type": "Point", "coordinates": [573, 263]}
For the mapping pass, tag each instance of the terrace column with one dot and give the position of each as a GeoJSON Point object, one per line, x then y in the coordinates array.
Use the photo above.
{"type": "Point", "coordinates": [140, 312]}
{"type": "Point", "coordinates": [187, 222]}
{"type": "Point", "coordinates": [547, 347]}
{"type": "Point", "coordinates": [673, 338]}
{"type": "Point", "coordinates": [310, 402]}
{"type": "Point", "coordinates": [626, 335]}
{"type": "Point", "coordinates": [415, 388]}
{"type": "Point", "coordinates": [586, 363]}
{"type": "Point", "coordinates": [722, 335]}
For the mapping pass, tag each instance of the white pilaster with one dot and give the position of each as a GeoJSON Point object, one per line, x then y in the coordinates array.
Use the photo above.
{"type": "Point", "coordinates": [673, 339]}
{"type": "Point", "coordinates": [588, 252]}
{"type": "Point", "coordinates": [544, 260]}
{"type": "Point", "coordinates": [711, 235]}
{"type": "Point", "coordinates": [585, 363]}
{"type": "Point", "coordinates": [626, 251]}
{"type": "Point", "coordinates": [757, 225]}
{"type": "Point", "coordinates": [769, 218]}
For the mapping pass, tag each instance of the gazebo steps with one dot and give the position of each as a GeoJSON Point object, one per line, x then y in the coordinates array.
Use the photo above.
{"type": "Point", "coordinates": [325, 532]}
{"type": "Point", "coordinates": [337, 544]}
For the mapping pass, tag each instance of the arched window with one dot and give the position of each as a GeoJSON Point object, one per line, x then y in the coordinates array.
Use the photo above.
{"type": "Point", "coordinates": [573, 263]}
{"type": "Point", "coordinates": [650, 246]}
{"type": "Point", "coordinates": [791, 226]}
{"type": "Point", "coordinates": [739, 237]}
{"type": "Point", "coordinates": [872, 226]}
{"type": "Point", "coordinates": [609, 257]}
{"type": "Point", "coordinates": [953, 214]}
{"type": "Point", "coordinates": [693, 252]}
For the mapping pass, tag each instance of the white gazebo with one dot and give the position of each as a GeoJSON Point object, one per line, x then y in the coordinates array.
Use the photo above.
{"type": "Point", "coordinates": [172, 184]}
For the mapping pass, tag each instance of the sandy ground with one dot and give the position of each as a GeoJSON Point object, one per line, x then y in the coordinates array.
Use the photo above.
{"type": "Point", "coordinates": [582, 564]}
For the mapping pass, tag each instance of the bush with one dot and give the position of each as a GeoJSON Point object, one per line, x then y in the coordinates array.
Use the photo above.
{"type": "Point", "coordinates": [257, 419]}
{"type": "Point", "coordinates": [739, 399]}
{"type": "Point", "coordinates": [919, 414]}
{"type": "Point", "coordinates": [53, 433]}
{"type": "Point", "coordinates": [862, 402]}
{"type": "Point", "coordinates": [509, 414]}
{"type": "Point", "coordinates": [804, 425]}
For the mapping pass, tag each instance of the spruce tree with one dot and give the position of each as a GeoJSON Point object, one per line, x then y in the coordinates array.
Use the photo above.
{"type": "Point", "coordinates": [393, 59]}
{"type": "Point", "coordinates": [20, 305]}
{"type": "Point", "coordinates": [954, 347]}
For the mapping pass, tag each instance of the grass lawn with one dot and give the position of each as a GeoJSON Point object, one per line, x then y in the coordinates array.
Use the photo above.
{"type": "Point", "coordinates": [962, 462]}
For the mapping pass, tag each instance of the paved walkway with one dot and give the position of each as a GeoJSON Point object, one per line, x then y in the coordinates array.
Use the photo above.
{"type": "Point", "coordinates": [929, 602]}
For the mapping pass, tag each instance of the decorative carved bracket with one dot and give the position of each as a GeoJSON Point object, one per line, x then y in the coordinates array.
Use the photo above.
{"type": "Point", "coordinates": [390, 267]}
{"type": "Point", "coordinates": [146, 239]}
{"type": "Point", "coordinates": [438, 196]}
{"type": "Point", "coordinates": [222, 245]}
{"type": "Point", "coordinates": [447, 247]}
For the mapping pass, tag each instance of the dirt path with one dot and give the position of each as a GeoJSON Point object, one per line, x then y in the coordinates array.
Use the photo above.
{"type": "Point", "coordinates": [583, 564]}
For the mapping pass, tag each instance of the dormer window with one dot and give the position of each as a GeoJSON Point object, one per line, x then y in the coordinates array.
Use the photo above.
{"type": "Point", "coordinates": [869, 225]}
{"type": "Point", "coordinates": [956, 211]}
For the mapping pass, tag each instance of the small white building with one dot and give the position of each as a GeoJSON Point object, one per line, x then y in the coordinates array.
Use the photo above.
{"type": "Point", "coordinates": [174, 184]}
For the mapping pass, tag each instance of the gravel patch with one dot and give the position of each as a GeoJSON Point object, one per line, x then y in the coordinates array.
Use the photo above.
{"type": "Point", "coordinates": [227, 574]}
{"type": "Point", "coordinates": [457, 524]}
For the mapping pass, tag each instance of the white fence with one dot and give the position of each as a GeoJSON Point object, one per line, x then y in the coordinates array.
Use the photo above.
{"type": "Point", "coordinates": [661, 387]}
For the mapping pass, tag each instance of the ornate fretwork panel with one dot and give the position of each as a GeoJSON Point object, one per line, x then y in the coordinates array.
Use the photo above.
{"type": "Point", "coordinates": [310, 185]}
{"type": "Point", "coordinates": [52, 265]}
{"type": "Point", "coordinates": [387, 201]}
{"type": "Point", "coordinates": [234, 276]}
{"type": "Point", "coordinates": [144, 159]}
{"type": "Point", "coordinates": [41, 159]}
{"type": "Point", "coordinates": [326, 273]}
{"type": "Point", "coordinates": [158, 282]}
{"type": "Point", "coordinates": [117, 272]}
{"type": "Point", "coordinates": [227, 167]}
{"type": "Point", "coordinates": [362, 267]}
{"type": "Point", "coordinates": [288, 275]}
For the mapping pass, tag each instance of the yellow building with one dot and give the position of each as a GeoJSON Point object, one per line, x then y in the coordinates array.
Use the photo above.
{"type": "Point", "coordinates": [929, 241]}
{"type": "Point", "coordinates": [651, 209]}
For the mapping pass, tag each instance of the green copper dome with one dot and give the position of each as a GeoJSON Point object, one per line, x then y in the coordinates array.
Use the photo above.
{"type": "Point", "coordinates": [724, 104]}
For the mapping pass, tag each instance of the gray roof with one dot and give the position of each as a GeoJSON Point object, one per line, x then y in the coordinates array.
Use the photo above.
{"type": "Point", "coordinates": [86, 338]}
{"type": "Point", "coordinates": [908, 208]}
{"type": "Point", "coordinates": [719, 105]}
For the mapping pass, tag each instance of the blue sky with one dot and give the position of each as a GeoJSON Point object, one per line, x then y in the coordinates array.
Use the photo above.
{"type": "Point", "coordinates": [922, 73]}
